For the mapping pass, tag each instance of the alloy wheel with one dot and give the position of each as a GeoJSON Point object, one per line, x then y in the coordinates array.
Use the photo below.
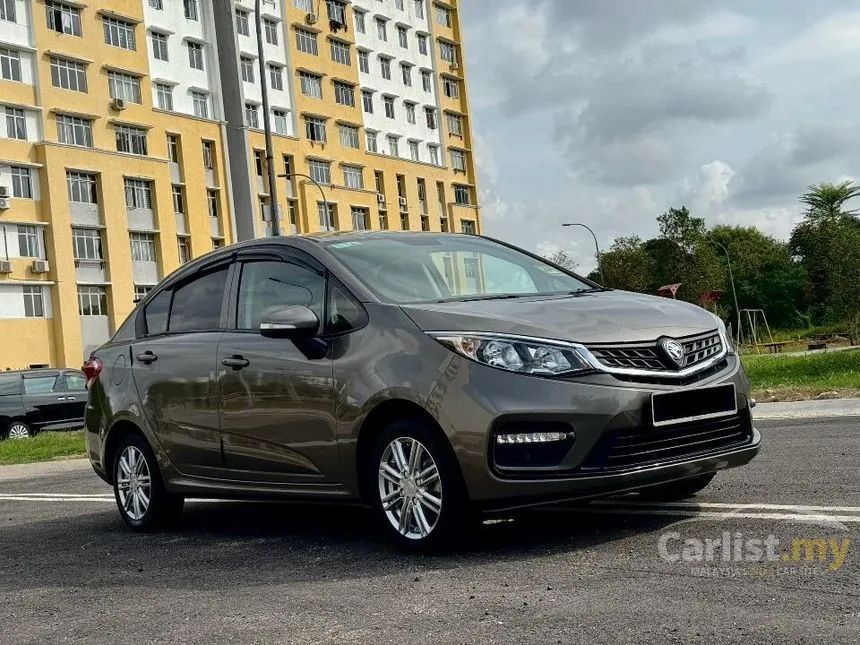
{"type": "Point", "coordinates": [19, 431]}
{"type": "Point", "coordinates": [410, 488]}
{"type": "Point", "coordinates": [134, 483]}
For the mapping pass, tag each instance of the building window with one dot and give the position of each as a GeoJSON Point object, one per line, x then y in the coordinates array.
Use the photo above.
{"type": "Point", "coordinates": [124, 86]}
{"type": "Point", "coordinates": [156, 4]}
{"type": "Point", "coordinates": [74, 130]}
{"type": "Point", "coordinates": [320, 171]}
{"type": "Point", "coordinates": [34, 303]}
{"type": "Point", "coordinates": [447, 52]}
{"type": "Point", "coordinates": [173, 148]}
{"type": "Point", "coordinates": [385, 67]}
{"type": "Point", "coordinates": [191, 9]}
{"type": "Point", "coordinates": [413, 151]}
{"type": "Point", "coordinates": [200, 103]}
{"type": "Point", "coordinates": [195, 55]}
{"type": "Point", "coordinates": [372, 143]}
{"type": "Point", "coordinates": [360, 217]}
{"type": "Point", "coordinates": [178, 200]}
{"type": "Point", "coordinates": [7, 10]}
{"type": "Point", "coordinates": [451, 87]}
{"type": "Point", "coordinates": [328, 216]}
{"type": "Point", "coordinates": [87, 244]}
{"type": "Point", "coordinates": [217, 243]}
{"type": "Point", "coordinates": [353, 177]}
{"type": "Point", "coordinates": [92, 301]}
{"type": "Point", "coordinates": [270, 28]}
{"type": "Point", "coordinates": [247, 65]}
{"type": "Point", "coordinates": [142, 247]}
{"type": "Point", "coordinates": [131, 140]}
{"type": "Point", "coordinates": [68, 75]}
{"type": "Point", "coordinates": [138, 193]}
{"type": "Point", "coordinates": [367, 101]}
{"type": "Point", "coordinates": [388, 102]}
{"type": "Point", "coordinates": [455, 125]}
{"type": "Point", "coordinates": [184, 245]}
{"type": "Point", "coordinates": [63, 18]}
{"type": "Point", "coordinates": [337, 11]}
{"type": "Point", "coordinates": [276, 77]}
{"type": "Point", "coordinates": [364, 61]}
{"type": "Point", "coordinates": [426, 80]}
{"type": "Point", "coordinates": [434, 154]}
{"type": "Point", "coordinates": [443, 16]}
{"type": "Point", "coordinates": [252, 115]}
{"type": "Point", "coordinates": [422, 44]}
{"type": "Point", "coordinates": [381, 29]}
{"type": "Point", "coordinates": [10, 64]}
{"type": "Point", "coordinates": [212, 203]}
{"type": "Point", "coordinates": [419, 9]}
{"type": "Point", "coordinates": [340, 52]}
{"type": "Point", "coordinates": [398, 5]}
{"type": "Point", "coordinates": [468, 226]}
{"type": "Point", "coordinates": [315, 129]}
{"type": "Point", "coordinates": [344, 94]}
{"type": "Point", "coordinates": [461, 195]}
{"type": "Point", "coordinates": [393, 145]}
{"type": "Point", "coordinates": [458, 160]}
{"type": "Point", "coordinates": [406, 71]}
{"type": "Point", "coordinates": [359, 22]}
{"type": "Point", "coordinates": [311, 85]}
{"type": "Point", "coordinates": [306, 41]}
{"type": "Point", "coordinates": [432, 121]}
{"type": "Point", "coordinates": [119, 33]}
{"type": "Point", "coordinates": [22, 182]}
{"type": "Point", "coordinates": [159, 46]}
{"type": "Point", "coordinates": [410, 112]}
{"type": "Point", "coordinates": [164, 96]}
{"type": "Point", "coordinates": [304, 5]}
{"type": "Point", "coordinates": [349, 136]}
{"type": "Point", "coordinates": [141, 291]}
{"type": "Point", "coordinates": [209, 155]}
{"type": "Point", "coordinates": [403, 36]}
{"type": "Point", "coordinates": [242, 22]}
{"type": "Point", "coordinates": [280, 118]}
{"type": "Point", "coordinates": [28, 242]}
{"type": "Point", "coordinates": [16, 124]}
{"type": "Point", "coordinates": [82, 188]}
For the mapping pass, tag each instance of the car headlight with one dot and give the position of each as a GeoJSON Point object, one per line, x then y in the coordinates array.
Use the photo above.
{"type": "Point", "coordinates": [524, 356]}
{"type": "Point", "coordinates": [728, 342]}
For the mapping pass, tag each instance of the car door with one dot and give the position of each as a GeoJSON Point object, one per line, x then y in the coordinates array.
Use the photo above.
{"type": "Point", "coordinates": [74, 386]}
{"type": "Point", "coordinates": [44, 400]}
{"type": "Point", "coordinates": [174, 359]}
{"type": "Point", "coordinates": [11, 403]}
{"type": "Point", "coordinates": [275, 395]}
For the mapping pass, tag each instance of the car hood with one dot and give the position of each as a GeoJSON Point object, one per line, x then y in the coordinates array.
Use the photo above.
{"type": "Point", "coordinates": [599, 317]}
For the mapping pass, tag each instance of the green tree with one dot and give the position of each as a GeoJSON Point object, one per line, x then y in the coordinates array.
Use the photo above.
{"type": "Point", "coordinates": [678, 226]}
{"type": "Point", "coordinates": [826, 200]}
{"type": "Point", "coordinates": [627, 265]}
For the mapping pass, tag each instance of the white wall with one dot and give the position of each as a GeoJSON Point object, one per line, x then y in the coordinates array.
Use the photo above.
{"type": "Point", "coordinates": [6, 180]}
{"type": "Point", "coordinates": [12, 301]}
{"type": "Point", "coordinates": [415, 93]}
{"type": "Point", "coordinates": [32, 119]}
{"type": "Point", "coordinates": [18, 32]}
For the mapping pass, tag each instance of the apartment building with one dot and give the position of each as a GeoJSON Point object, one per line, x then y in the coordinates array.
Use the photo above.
{"type": "Point", "coordinates": [133, 141]}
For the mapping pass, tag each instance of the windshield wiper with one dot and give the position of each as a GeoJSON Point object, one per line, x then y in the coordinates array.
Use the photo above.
{"type": "Point", "coordinates": [501, 296]}
{"type": "Point", "coordinates": [592, 290]}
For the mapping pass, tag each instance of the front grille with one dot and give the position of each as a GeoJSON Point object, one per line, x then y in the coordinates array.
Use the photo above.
{"type": "Point", "coordinates": [650, 357]}
{"type": "Point", "coordinates": [646, 446]}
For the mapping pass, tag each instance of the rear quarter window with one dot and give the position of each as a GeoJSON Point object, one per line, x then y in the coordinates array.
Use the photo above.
{"type": "Point", "coordinates": [40, 384]}
{"type": "Point", "coordinates": [10, 384]}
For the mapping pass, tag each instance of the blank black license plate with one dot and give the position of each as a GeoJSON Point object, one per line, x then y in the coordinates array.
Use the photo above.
{"type": "Point", "coordinates": [693, 405]}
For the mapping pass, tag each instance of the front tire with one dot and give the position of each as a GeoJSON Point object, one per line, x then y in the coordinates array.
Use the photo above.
{"type": "Point", "coordinates": [19, 430]}
{"type": "Point", "coordinates": [416, 487]}
{"type": "Point", "coordinates": [143, 502]}
{"type": "Point", "coordinates": [677, 491]}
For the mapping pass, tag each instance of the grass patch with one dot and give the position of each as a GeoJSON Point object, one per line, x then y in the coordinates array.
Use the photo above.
{"type": "Point", "coordinates": [804, 377]}
{"type": "Point", "coordinates": [45, 446]}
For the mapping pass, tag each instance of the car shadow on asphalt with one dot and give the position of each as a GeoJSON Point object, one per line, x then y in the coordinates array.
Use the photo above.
{"type": "Point", "coordinates": [252, 544]}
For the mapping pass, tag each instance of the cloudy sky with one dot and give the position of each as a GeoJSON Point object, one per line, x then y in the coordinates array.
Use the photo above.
{"type": "Point", "coordinates": [608, 112]}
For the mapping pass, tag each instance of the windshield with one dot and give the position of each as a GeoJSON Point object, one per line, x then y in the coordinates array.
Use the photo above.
{"type": "Point", "coordinates": [425, 268]}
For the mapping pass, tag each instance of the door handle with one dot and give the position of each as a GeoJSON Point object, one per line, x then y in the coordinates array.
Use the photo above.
{"type": "Point", "coordinates": [61, 398]}
{"type": "Point", "coordinates": [147, 357]}
{"type": "Point", "coordinates": [71, 398]}
{"type": "Point", "coordinates": [236, 362]}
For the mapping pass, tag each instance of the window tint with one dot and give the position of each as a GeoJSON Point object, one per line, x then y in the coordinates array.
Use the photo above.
{"type": "Point", "coordinates": [197, 305]}
{"type": "Point", "coordinates": [344, 313]}
{"type": "Point", "coordinates": [76, 383]}
{"type": "Point", "coordinates": [156, 313]}
{"type": "Point", "coordinates": [40, 384]}
{"type": "Point", "coordinates": [10, 384]}
{"type": "Point", "coordinates": [276, 284]}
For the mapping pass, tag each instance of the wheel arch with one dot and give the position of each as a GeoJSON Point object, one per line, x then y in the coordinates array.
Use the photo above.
{"type": "Point", "coordinates": [120, 429]}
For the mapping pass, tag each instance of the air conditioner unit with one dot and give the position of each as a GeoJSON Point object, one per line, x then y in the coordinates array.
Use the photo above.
{"type": "Point", "coordinates": [118, 104]}
{"type": "Point", "coordinates": [5, 266]}
{"type": "Point", "coordinates": [4, 191]}
{"type": "Point", "coordinates": [40, 266]}
{"type": "Point", "coordinates": [4, 203]}
{"type": "Point", "coordinates": [311, 19]}
{"type": "Point", "coordinates": [380, 198]}
{"type": "Point", "coordinates": [403, 203]}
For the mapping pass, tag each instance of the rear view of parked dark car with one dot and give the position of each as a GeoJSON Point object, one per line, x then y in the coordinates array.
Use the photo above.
{"type": "Point", "coordinates": [33, 401]}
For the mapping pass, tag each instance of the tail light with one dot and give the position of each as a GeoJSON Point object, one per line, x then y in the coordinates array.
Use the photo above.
{"type": "Point", "coordinates": [92, 368]}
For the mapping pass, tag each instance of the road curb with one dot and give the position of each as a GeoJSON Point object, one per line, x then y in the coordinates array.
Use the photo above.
{"type": "Point", "coordinates": [833, 408]}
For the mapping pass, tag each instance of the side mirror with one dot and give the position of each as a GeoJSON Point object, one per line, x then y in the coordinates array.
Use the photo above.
{"type": "Point", "coordinates": [292, 322]}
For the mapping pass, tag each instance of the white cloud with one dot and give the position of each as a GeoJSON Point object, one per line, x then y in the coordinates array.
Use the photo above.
{"type": "Point", "coordinates": [834, 36]}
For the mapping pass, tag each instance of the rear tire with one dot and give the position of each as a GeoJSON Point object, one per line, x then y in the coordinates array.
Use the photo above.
{"type": "Point", "coordinates": [677, 491]}
{"type": "Point", "coordinates": [412, 471]}
{"type": "Point", "coordinates": [143, 502]}
{"type": "Point", "coordinates": [19, 430]}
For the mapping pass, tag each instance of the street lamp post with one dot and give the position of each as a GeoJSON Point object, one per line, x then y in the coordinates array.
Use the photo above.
{"type": "Point", "coordinates": [315, 183]}
{"type": "Point", "coordinates": [596, 247]}
{"type": "Point", "coordinates": [267, 125]}
{"type": "Point", "coordinates": [734, 291]}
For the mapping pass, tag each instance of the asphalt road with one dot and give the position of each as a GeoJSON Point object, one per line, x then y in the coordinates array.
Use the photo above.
{"type": "Point", "coordinates": [274, 573]}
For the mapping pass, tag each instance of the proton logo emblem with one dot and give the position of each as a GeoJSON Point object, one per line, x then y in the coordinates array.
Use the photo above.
{"type": "Point", "coordinates": [674, 350]}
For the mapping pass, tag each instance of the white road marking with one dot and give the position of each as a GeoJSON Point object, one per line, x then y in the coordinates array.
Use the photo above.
{"type": "Point", "coordinates": [621, 504]}
{"type": "Point", "coordinates": [714, 515]}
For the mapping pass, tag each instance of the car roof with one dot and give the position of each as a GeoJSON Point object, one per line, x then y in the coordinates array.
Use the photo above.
{"type": "Point", "coordinates": [39, 370]}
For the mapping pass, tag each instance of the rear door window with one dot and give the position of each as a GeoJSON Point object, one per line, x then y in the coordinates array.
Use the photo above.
{"type": "Point", "coordinates": [10, 384]}
{"type": "Point", "coordinates": [75, 383]}
{"type": "Point", "coordinates": [40, 384]}
{"type": "Point", "coordinates": [197, 304]}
